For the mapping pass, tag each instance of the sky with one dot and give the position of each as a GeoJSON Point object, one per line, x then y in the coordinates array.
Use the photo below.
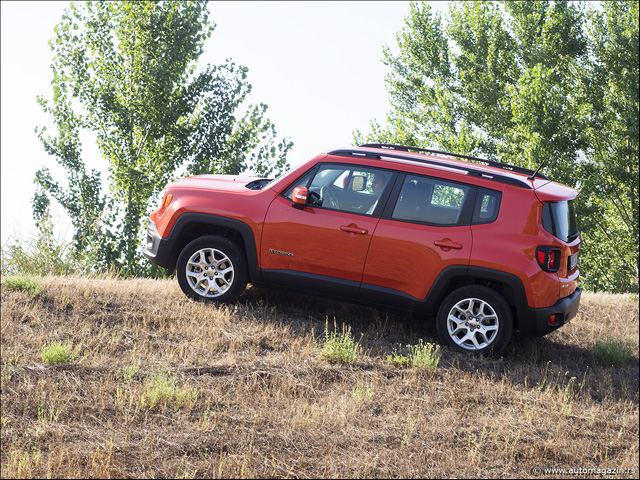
{"type": "Point", "coordinates": [317, 65]}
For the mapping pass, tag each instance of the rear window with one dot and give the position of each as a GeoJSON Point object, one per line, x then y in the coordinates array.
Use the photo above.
{"type": "Point", "coordinates": [559, 219]}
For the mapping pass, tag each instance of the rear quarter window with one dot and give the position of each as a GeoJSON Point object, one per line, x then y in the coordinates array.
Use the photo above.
{"type": "Point", "coordinates": [487, 206]}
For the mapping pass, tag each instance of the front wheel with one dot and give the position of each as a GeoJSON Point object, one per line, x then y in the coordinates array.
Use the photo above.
{"type": "Point", "coordinates": [475, 319]}
{"type": "Point", "coordinates": [212, 268]}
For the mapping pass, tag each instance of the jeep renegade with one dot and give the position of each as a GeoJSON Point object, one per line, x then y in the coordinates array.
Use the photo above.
{"type": "Point", "coordinates": [487, 247]}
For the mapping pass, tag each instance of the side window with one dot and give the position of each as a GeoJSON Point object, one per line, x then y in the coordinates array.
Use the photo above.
{"type": "Point", "coordinates": [348, 188]}
{"type": "Point", "coordinates": [487, 206]}
{"type": "Point", "coordinates": [430, 200]}
{"type": "Point", "coordinates": [447, 196]}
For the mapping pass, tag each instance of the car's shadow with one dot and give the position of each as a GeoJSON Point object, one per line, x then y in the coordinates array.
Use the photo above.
{"type": "Point", "coordinates": [541, 362]}
{"type": "Point", "coordinates": [376, 329]}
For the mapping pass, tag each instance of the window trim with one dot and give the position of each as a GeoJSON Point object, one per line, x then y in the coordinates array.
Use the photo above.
{"type": "Point", "coordinates": [391, 194]}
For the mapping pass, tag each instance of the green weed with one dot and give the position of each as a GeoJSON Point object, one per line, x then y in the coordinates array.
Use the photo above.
{"type": "Point", "coordinates": [339, 347]}
{"type": "Point", "coordinates": [126, 374]}
{"type": "Point", "coordinates": [425, 355]}
{"type": "Point", "coordinates": [11, 363]}
{"type": "Point", "coordinates": [46, 254]}
{"type": "Point", "coordinates": [161, 389]}
{"type": "Point", "coordinates": [568, 395]}
{"type": "Point", "coordinates": [58, 352]}
{"type": "Point", "coordinates": [363, 392]}
{"type": "Point", "coordinates": [398, 360]}
{"type": "Point", "coordinates": [24, 283]}
{"type": "Point", "coordinates": [48, 413]}
{"type": "Point", "coordinates": [40, 255]}
{"type": "Point", "coordinates": [23, 463]}
{"type": "Point", "coordinates": [612, 353]}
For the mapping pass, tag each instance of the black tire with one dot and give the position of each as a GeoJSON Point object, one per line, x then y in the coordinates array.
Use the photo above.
{"type": "Point", "coordinates": [475, 319]}
{"type": "Point", "coordinates": [212, 269]}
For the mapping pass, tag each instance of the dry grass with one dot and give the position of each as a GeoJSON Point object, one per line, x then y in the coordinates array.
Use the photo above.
{"type": "Point", "coordinates": [160, 386]}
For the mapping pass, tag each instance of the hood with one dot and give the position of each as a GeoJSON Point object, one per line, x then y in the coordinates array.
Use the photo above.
{"type": "Point", "coordinates": [215, 182]}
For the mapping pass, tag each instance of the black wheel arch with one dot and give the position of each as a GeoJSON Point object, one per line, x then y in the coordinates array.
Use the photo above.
{"type": "Point", "coordinates": [190, 226]}
{"type": "Point", "coordinates": [456, 276]}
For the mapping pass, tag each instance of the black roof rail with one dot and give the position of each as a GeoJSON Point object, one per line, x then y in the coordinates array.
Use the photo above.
{"type": "Point", "coordinates": [490, 163]}
{"type": "Point", "coordinates": [347, 152]}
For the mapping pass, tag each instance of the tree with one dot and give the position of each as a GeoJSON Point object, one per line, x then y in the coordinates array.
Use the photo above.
{"type": "Point", "coordinates": [527, 83]}
{"type": "Point", "coordinates": [609, 118]}
{"type": "Point", "coordinates": [126, 71]}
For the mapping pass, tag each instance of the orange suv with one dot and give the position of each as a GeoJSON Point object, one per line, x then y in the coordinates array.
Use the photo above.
{"type": "Point", "coordinates": [487, 247]}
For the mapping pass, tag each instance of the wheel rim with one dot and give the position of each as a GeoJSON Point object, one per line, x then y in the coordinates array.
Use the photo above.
{"type": "Point", "coordinates": [472, 324]}
{"type": "Point", "coordinates": [209, 272]}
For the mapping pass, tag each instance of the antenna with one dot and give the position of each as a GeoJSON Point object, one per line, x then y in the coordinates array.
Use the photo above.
{"type": "Point", "coordinates": [533, 177]}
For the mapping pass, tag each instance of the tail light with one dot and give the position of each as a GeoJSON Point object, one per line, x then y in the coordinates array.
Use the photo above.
{"type": "Point", "coordinates": [548, 258]}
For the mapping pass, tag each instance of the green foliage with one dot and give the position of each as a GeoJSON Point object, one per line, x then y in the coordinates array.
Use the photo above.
{"type": "Point", "coordinates": [339, 347]}
{"type": "Point", "coordinates": [58, 352]}
{"type": "Point", "coordinates": [398, 360]}
{"type": "Point", "coordinates": [161, 389]}
{"type": "Point", "coordinates": [43, 254]}
{"type": "Point", "coordinates": [127, 72]}
{"type": "Point", "coordinates": [126, 374]}
{"type": "Point", "coordinates": [527, 83]}
{"type": "Point", "coordinates": [24, 283]}
{"type": "Point", "coordinates": [612, 352]}
{"type": "Point", "coordinates": [423, 355]}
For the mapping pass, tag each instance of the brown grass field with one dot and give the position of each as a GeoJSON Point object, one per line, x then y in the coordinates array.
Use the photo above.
{"type": "Point", "coordinates": [160, 386]}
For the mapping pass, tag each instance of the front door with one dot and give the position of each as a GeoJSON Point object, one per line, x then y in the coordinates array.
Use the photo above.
{"type": "Point", "coordinates": [323, 246]}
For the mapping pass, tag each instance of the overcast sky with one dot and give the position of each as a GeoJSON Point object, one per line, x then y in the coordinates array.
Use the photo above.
{"type": "Point", "coordinates": [317, 65]}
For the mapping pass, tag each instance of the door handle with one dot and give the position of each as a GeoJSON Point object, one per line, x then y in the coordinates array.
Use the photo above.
{"type": "Point", "coordinates": [446, 243]}
{"type": "Point", "coordinates": [349, 229]}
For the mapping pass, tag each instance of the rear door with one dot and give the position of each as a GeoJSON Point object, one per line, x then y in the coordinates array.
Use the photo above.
{"type": "Point", "coordinates": [425, 231]}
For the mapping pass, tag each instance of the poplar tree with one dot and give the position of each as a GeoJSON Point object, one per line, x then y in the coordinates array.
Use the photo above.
{"type": "Point", "coordinates": [532, 83]}
{"type": "Point", "coordinates": [126, 71]}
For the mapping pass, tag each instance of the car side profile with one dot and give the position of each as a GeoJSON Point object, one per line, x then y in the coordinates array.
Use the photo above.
{"type": "Point", "coordinates": [486, 247]}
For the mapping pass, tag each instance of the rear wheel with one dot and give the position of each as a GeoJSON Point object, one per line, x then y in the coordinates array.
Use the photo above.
{"type": "Point", "coordinates": [475, 319]}
{"type": "Point", "coordinates": [212, 268]}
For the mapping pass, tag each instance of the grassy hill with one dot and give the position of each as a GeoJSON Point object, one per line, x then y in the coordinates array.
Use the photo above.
{"type": "Point", "coordinates": [129, 378]}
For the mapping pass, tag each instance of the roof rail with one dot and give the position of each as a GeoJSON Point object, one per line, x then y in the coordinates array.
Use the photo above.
{"type": "Point", "coordinates": [491, 163]}
{"type": "Point", "coordinates": [348, 152]}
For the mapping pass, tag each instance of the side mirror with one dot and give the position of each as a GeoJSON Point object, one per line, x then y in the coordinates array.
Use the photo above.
{"type": "Point", "coordinates": [299, 197]}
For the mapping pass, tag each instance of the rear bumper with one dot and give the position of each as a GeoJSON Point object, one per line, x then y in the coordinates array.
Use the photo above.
{"type": "Point", "coordinates": [536, 320]}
